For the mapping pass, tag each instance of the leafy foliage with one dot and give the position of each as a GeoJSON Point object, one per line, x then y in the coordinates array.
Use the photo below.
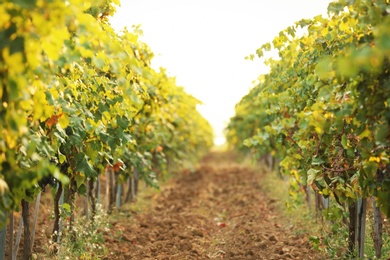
{"type": "Point", "coordinates": [324, 106]}
{"type": "Point", "coordinates": [77, 96]}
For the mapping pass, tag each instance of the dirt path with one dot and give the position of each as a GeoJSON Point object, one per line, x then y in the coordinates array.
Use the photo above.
{"type": "Point", "coordinates": [217, 212]}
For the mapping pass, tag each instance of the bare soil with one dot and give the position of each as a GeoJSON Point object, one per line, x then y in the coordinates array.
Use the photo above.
{"type": "Point", "coordinates": [217, 212]}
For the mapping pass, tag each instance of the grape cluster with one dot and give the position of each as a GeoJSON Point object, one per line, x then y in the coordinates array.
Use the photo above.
{"type": "Point", "coordinates": [47, 180]}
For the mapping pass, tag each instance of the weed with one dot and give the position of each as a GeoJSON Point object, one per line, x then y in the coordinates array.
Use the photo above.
{"type": "Point", "coordinates": [84, 241]}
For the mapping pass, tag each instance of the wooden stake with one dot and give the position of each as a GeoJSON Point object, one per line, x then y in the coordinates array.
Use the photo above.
{"type": "Point", "coordinates": [114, 188]}
{"type": "Point", "coordinates": [97, 189]}
{"type": "Point", "coordinates": [92, 197]}
{"type": "Point", "coordinates": [27, 235]}
{"type": "Point", "coordinates": [35, 220]}
{"type": "Point", "coordinates": [128, 196]}
{"type": "Point", "coordinates": [107, 189]}
{"type": "Point", "coordinates": [18, 237]}
{"type": "Point", "coordinates": [308, 194]}
{"type": "Point", "coordinates": [378, 229]}
{"type": "Point", "coordinates": [326, 203]}
{"type": "Point", "coordinates": [362, 208]}
{"type": "Point", "coordinates": [352, 229]}
{"type": "Point", "coordinates": [3, 234]}
{"type": "Point", "coordinates": [118, 196]}
{"type": "Point", "coordinates": [60, 203]}
{"type": "Point", "coordinates": [86, 201]}
{"type": "Point", "coordinates": [136, 181]}
{"type": "Point", "coordinates": [57, 221]}
{"type": "Point", "coordinates": [11, 235]}
{"type": "Point", "coordinates": [133, 187]}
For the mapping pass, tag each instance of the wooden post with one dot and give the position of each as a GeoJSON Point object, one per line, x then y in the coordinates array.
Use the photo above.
{"type": "Point", "coordinates": [352, 228]}
{"type": "Point", "coordinates": [57, 218]}
{"type": "Point", "coordinates": [319, 203]}
{"type": "Point", "coordinates": [136, 181]}
{"type": "Point", "coordinates": [128, 196]}
{"type": "Point", "coordinates": [270, 162]}
{"type": "Point", "coordinates": [308, 196]}
{"type": "Point", "coordinates": [11, 236]}
{"type": "Point", "coordinates": [18, 237]}
{"type": "Point", "coordinates": [97, 189]}
{"type": "Point", "coordinates": [107, 189]}
{"type": "Point", "coordinates": [86, 206]}
{"type": "Point", "coordinates": [70, 198]}
{"type": "Point", "coordinates": [36, 210]}
{"type": "Point", "coordinates": [132, 187]}
{"type": "Point", "coordinates": [111, 188]}
{"type": "Point", "coordinates": [362, 208]}
{"type": "Point", "coordinates": [3, 234]}
{"type": "Point", "coordinates": [378, 229]}
{"type": "Point", "coordinates": [277, 168]}
{"type": "Point", "coordinates": [118, 196]}
{"type": "Point", "coordinates": [327, 202]}
{"type": "Point", "coordinates": [316, 203]}
{"type": "Point", "coordinates": [60, 203]}
{"type": "Point", "coordinates": [114, 189]}
{"type": "Point", "coordinates": [92, 197]}
{"type": "Point", "coordinates": [27, 235]}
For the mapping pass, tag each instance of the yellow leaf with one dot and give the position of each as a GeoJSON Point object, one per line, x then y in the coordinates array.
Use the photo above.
{"type": "Point", "coordinates": [349, 193]}
{"type": "Point", "coordinates": [319, 130]}
{"type": "Point", "coordinates": [374, 159]}
{"type": "Point", "coordinates": [14, 61]}
{"type": "Point", "coordinates": [325, 192]}
{"type": "Point", "coordinates": [33, 50]}
{"type": "Point", "coordinates": [26, 104]}
{"type": "Point", "coordinates": [50, 50]}
{"type": "Point", "coordinates": [63, 121]}
{"type": "Point", "coordinates": [5, 18]}
{"type": "Point", "coordinates": [329, 115]}
{"type": "Point", "coordinates": [344, 27]}
{"type": "Point", "coordinates": [295, 174]}
{"type": "Point", "coordinates": [54, 93]}
{"type": "Point", "coordinates": [10, 139]}
{"type": "Point", "coordinates": [38, 106]}
{"type": "Point", "coordinates": [40, 23]}
{"type": "Point", "coordinates": [86, 53]}
{"type": "Point", "coordinates": [356, 122]}
{"type": "Point", "coordinates": [62, 158]}
{"type": "Point", "coordinates": [324, 32]}
{"type": "Point", "coordinates": [365, 133]}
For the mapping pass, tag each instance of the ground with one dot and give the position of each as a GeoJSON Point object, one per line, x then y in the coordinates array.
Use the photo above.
{"type": "Point", "coordinates": [220, 211]}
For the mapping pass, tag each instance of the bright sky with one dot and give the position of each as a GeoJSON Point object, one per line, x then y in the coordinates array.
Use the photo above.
{"type": "Point", "coordinates": [203, 43]}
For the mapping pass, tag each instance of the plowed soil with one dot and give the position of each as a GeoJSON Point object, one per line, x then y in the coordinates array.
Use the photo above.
{"type": "Point", "coordinates": [217, 212]}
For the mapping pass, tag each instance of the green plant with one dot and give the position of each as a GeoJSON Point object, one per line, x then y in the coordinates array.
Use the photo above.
{"type": "Point", "coordinates": [79, 99]}
{"type": "Point", "coordinates": [323, 109]}
{"type": "Point", "coordinates": [82, 241]}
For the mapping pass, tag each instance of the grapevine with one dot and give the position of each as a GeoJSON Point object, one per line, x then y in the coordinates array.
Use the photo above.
{"type": "Point", "coordinates": [79, 99]}
{"type": "Point", "coordinates": [323, 107]}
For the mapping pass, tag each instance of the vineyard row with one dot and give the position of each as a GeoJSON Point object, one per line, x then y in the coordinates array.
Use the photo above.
{"type": "Point", "coordinates": [79, 99]}
{"type": "Point", "coordinates": [322, 112]}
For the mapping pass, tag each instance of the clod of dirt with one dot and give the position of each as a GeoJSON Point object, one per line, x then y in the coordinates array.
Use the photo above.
{"type": "Point", "coordinates": [197, 233]}
{"type": "Point", "coordinates": [272, 238]}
